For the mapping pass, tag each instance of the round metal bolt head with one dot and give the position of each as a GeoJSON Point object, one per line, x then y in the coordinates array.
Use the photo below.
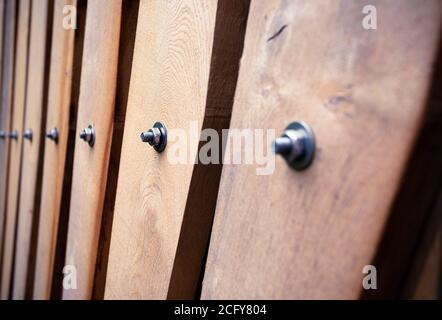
{"type": "Point", "coordinates": [52, 135]}
{"type": "Point", "coordinates": [28, 134]}
{"type": "Point", "coordinates": [88, 135]}
{"type": "Point", "coordinates": [156, 137]}
{"type": "Point", "coordinates": [296, 145]}
{"type": "Point", "coordinates": [13, 135]}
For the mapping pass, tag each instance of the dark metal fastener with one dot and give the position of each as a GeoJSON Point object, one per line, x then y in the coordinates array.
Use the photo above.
{"type": "Point", "coordinates": [2, 134]}
{"type": "Point", "coordinates": [88, 135]}
{"type": "Point", "coordinates": [296, 145]}
{"type": "Point", "coordinates": [28, 134]}
{"type": "Point", "coordinates": [52, 135]}
{"type": "Point", "coordinates": [13, 135]}
{"type": "Point", "coordinates": [156, 137]}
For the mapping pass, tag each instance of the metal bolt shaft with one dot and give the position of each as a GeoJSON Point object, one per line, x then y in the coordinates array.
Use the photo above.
{"type": "Point", "coordinates": [283, 145]}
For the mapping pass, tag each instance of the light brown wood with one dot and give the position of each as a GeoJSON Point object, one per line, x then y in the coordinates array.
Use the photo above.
{"type": "Point", "coordinates": [59, 107]}
{"type": "Point", "coordinates": [96, 107]}
{"type": "Point", "coordinates": [30, 183]}
{"type": "Point", "coordinates": [15, 157]}
{"type": "Point", "coordinates": [6, 111]}
{"type": "Point", "coordinates": [309, 234]}
{"type": "Point", "coordinates": [181, 50]}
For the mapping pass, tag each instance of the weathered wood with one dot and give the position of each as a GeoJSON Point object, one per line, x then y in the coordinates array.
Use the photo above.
{"type": "Point", "coordinates": [309, 234]}
{"type": "Point", "coordinates": [20, 74]}
{"type": "Point", "coordinates": [32, 161]}
{"type": "Point", "coordinates": [6, 226]}
{"type": "Point", "coordinates": [418, 203]}
{"type": "Point", "coordinates": [185, 67]}
{"type": "Point", "coordinates": [125, 59]}
{"type": "Point", "coordinates": [96, 107]}
{"type": "Point", "coordinates": [58, 116]}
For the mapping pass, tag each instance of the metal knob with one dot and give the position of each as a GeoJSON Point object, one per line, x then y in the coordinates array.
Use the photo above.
{"type": "Point", "coordinates": [88, 135]}
{"type": "Point", "coordinates": [2, 135]}
{"type": "Point", "coordinates": [296, 145]}
{"type": "Point", "coordinates": [156, 137]}
{"type": "Point", "coordinates": [52, 135]}
{"type": "Point", "coordinates": [28, 134]}
{"type": "Point", "coordinates": [13, 135]}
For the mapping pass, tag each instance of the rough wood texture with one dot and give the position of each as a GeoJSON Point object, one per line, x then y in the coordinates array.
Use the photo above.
{"type": "Point", "coordinates": [309, 235]}
{"type": "Point", "coordinates": [20, 75]}
{"type": "Point", "coordinates": [59, 105]}
{"type": "Point", "coordinates": [418, 204]}
{"type": "Point", "coordinates": [32, 161]}
{"type": "Point", "coordinates": [96, 107]}
{"type": "Point", "coordinates": [5, 119]}
{"type": "Point", "coordinates": [184, 70]}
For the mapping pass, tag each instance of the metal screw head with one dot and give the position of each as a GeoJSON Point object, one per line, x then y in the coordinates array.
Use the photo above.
{"type": "Point", "coordinates": [28, 134]}
{"type": "Point", "coordinates": [88, 135]}
{"type": "Point", "coordinates": [156, 136]}
{"type": "Point", "coordinates": [13, 135]}
{"type": "Point", "coordinates": [296, 145]}
{"type": "Point", "coordinates": [52, 135]}
{"type": "Point", "coordinates": [2, 134]}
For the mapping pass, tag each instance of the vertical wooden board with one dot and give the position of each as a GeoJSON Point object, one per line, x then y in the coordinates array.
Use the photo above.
{"type": "Point", "coordinates": [96, 107]}
{"type": "Point", "coordinates": [309, 234]}
{"type": "Point", "coordinates": [21, 60]}
{"type": "Point", "coordinates": [174, 62]}
{"type": "Point", "coordinates": [59, 105]}
{"type": "Point", "coordinates": [6, 110]}
{"type": "Point", "coordinates": [30, 183]}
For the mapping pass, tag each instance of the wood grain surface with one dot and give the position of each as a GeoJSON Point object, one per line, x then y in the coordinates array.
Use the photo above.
{"type": "Point", "coordinates": [184, 71]}
{"type": "Point", "coordinates": [309, 234]}
{"type": "Point", "coordinates": [5, 117]}
{"type": "Point", "coordinates": [96, 107]}
{"type": "Point", "coordinates": [31, 174]}
{"type": "Point", "coordinates": [20, 75]}
{"type": "Point", "coordinates": [125, 58]}
{"type": "Point", "coordinates": [59, 110]}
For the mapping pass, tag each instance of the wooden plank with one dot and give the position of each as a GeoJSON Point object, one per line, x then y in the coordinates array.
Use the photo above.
{"type": "Point", "coordinates": [309, 234]}
{"type": "Point", "coordinates": [417, 205]}
{"type": "Point", "coordinates": [125, 58]}
{"type": "Point", "coordinates": [2, 151]}
{"type": "Point", "coordinates": [21, 60]}
{"type": "Point", "coordinates": [185, 67]}
{"type": "Point", "coordinates": [31, 174]}
{"type": "Point", "coordinates": [6, 110]}
{"type": "Point", "coordinates": [64, 42]}
{"type": "Point", "coordinates": [96, 107]}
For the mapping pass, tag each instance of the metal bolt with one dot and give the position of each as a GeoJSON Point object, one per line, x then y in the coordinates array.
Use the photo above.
{"type": "Point", "coordinates": [13, 135]}
{"type": "Point", "coordinates": [296, 145]}
{"type": "Point", "coordinates": [2, 134]}
{"type": "Point", "coordinates": [88, 135]}
{"type": "Point", "coordinates": [52, 135]}
{"type": "Point", "coordinates": [156, 137]}
{"type": "Point", "coordinates": [28, 134]}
